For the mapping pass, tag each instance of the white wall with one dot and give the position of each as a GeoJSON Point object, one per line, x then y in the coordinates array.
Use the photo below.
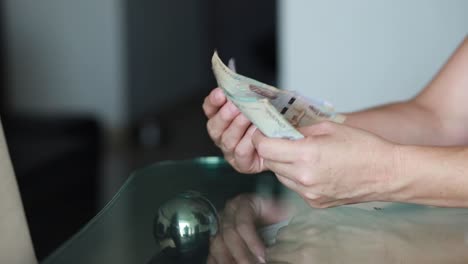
{"type": "Point", "coordinates": [66, 56]}
{"type": "Point", "coordinates": [365, 52]}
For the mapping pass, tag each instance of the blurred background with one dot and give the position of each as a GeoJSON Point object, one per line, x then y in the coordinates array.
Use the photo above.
{"type": "Point", "coordinates": [92, 90]}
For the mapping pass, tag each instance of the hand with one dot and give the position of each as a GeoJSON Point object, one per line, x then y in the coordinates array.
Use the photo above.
{"type": "Point", "coordinates": [333, 165]}
{"type": "Point", "coordinates": [237, 240]}
{"type": "Point", "coordinates": [232, 132]}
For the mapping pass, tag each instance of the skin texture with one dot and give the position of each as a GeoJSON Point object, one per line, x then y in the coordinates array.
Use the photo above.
{"type": "Point", "coordinates": [412, 151]}
{"type": "Point", "coordinates": [332, 165]}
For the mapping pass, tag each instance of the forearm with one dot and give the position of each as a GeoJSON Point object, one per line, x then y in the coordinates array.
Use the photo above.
{"type": "Point", "coordinates": [436, 116]}
{"type": "Point", "coordinates": [404, 123]}
{"type": "Point", "coordinates": [15, 240]}
{"type": "Point", "coordinates": [431, 175]}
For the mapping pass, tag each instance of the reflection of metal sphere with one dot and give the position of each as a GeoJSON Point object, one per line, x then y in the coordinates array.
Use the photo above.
{"type": "Point", "coordinates": [183, 225]}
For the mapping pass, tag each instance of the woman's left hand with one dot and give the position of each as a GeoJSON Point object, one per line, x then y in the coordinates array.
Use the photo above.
{"type": "Point", "coordinates": [333, 165]}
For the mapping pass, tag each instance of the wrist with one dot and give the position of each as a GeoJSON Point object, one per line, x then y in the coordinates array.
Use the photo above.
{"type": "Point", "coordinates": [394, 180]}
{"type": "Point", "coordinates": [430, 175]}
{"type": "Point", "coordinates": [410, 163]}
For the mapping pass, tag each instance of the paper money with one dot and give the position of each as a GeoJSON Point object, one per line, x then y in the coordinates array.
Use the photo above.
{"type": "Point", "coordinates": [275, 112]}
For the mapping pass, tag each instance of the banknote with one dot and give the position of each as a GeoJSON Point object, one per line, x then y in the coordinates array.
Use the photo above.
{"type": "Point", "coordinates": [275, 112]}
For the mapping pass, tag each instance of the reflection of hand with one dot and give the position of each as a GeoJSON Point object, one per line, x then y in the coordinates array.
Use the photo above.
{"type": "Point", "coordinates": [352, 235]}
{"type": "Point", "coordinates": [334, 164]}
{"type": "Point", "coordinates": [237, 241]}
{"type": "Point", "coordinates": [232, 132]}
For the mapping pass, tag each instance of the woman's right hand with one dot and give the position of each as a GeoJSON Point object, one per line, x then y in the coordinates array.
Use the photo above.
{"type": "Point", "coordinates": [237, 240]}
{"type": "Point", "coordinates": [232, 132]}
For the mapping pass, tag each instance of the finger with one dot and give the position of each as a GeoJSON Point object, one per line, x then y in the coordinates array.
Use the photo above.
{"type": "Point", "coordinates": [282, 150]}
{"type": "Point", "coordinates": [221, 120]}
{"type": "Point", "coordinates": [319, 129]}
{"type": "Point", "coordinates": [288, 170]}
{"type": "Point", "coordinates": [230, 237]}
{"type": "Point", "coordinates": [313, 199]}
{"type": "Point", "coordinates": [245, 226]}
{"type": "Point", "coordinates": [248, 233]}
{"type": "Point", "coordinates": [237, 246]}
{"type": "Point", "coordinates": [292, 185]}
{"type": "Point", "coordinates": [213, 102]}
{"type": "Point", "coordinates": [234, 133]}
{"type": "Point", "coordinates": [233, 241]}
{"type": "Point", "coordinates": [292, 172]}
{"type": "Point", "coordinates": [210, 260]}
{"type": "Point", "coordinates": [245, 154]}
{"type": "Point", "coordinates": [219, 252]}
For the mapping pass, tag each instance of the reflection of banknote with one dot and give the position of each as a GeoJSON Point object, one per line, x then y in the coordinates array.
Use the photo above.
{"type": "Point", "coordinates": [275, 112]}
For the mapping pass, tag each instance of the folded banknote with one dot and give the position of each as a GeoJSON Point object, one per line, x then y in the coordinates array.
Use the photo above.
{"type": "Point", "coordinates": [277, 113]}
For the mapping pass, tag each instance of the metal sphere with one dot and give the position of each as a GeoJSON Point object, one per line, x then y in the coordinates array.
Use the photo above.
{"type": "Point", "coordinates": [183, 225]}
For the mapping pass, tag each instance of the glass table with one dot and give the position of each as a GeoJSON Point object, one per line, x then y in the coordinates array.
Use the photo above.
{"type": "Point", "coordinates": [122, 231]}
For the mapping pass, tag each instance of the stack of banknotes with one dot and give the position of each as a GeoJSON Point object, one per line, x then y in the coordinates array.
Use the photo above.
{"type": "Point", "coordinates": [277, 113]}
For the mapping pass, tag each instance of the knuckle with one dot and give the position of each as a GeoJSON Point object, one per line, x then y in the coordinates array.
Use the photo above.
{"type": "Point", "coordinates": [310, 196]}
{"type": "Point", "coordinates": [305, 179]}
{"type": "Point", "coordinates": [261, 148]}
{"type": "Point", "coordinates": [326, 126]}
{"type": "Point", "coordinates": [241, 152]}
{"type": "Point", "coordinates": [242, 120]}
{"type": "Point", "coordinates": [234, 164]}
{"type": "Point", "coordinates": [227, 143]}
{"type": "Point", "coordinates": [212, 131]}
{"type": "Point", "coordinates": [225, 115]}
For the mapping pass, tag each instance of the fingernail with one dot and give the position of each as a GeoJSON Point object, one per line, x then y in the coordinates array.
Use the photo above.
{"type": "Point", "coordinates": [261, 259]}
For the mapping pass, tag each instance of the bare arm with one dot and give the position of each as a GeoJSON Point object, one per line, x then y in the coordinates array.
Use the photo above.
{"type": "Point", "coordinates": [437, 116]}
{"type": "Point", "coordinates": [431, 175]}
{"type": "Point", "coordinates": [426, 163]}
{"type": "Point", "coordinates": [15, 241]}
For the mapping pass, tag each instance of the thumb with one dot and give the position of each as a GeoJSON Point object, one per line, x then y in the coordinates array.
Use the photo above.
{"type": "Point", "coordinates": [319, 129]}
